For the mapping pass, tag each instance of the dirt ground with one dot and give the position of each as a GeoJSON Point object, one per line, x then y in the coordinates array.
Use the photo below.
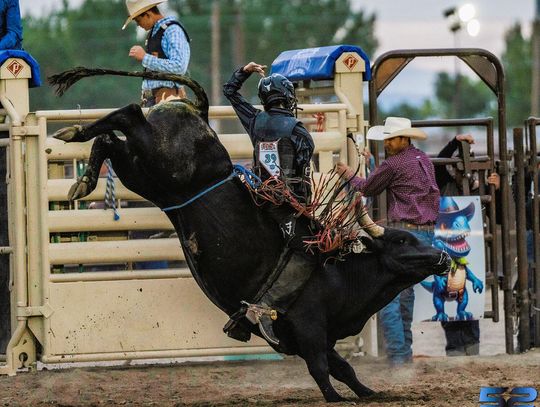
{"type": "Point", "coordinates": [431, 380]}
{"type": "Point", "coordinates": [428, 381]}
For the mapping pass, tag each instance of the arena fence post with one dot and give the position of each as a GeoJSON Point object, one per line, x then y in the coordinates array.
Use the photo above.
{"type": "Point", "coordinates": [15, 74]}
{"type": "Point", "coordinates": [532, 123]}
{"type": "Point", "coordinates": [522, 300]}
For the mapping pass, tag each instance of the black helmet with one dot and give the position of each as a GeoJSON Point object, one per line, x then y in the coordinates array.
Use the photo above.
{"type": "Point", "coordinates": [275, 88]}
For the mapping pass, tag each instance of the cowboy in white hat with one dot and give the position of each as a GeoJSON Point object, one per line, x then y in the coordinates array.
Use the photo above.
{"type": "Point", "coordinates": [396, 133]}
{"type": "Point", "coordinates": [167, 49]}
{"type": "Point", "coordinates": [408, 177]}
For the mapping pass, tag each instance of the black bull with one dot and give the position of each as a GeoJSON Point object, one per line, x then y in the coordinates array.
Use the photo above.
{"type": "Point", "coordinates": [230, 246]}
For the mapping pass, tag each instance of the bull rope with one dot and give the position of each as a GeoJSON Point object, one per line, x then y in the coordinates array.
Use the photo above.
{"type": "Point", "coordinates": [334, 209]}
{"type": "Point", "coordinates": [250, 178]}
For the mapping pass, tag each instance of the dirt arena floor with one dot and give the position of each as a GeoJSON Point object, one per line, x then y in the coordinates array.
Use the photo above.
{"type": "Point", "coordinates": [431, 380]}
{"type": "Point", "coordinates": [428, 381]}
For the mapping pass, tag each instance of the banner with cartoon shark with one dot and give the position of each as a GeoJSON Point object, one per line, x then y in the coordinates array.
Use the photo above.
{"type": "Point", "coordinates": [458, 296]}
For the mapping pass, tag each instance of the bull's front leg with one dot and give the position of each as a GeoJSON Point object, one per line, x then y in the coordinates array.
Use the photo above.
{"type": "Point", "coordinates": [127, 120]}
{"type": "Point", "coordinates": [317, 364]}
{"type": "Point", "coordinates": [104, 146]}
{"type": "Point", "coordinates": [312, 343]}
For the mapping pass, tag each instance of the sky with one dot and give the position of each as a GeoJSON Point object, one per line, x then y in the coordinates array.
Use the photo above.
{"type": "Point", "coordinates": [413, 24]}
{"type": "Point", "coordinates": [417, 24]}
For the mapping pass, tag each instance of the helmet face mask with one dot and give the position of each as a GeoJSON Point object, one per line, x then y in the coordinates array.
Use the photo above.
{"type": "Point", "coordinates": [276, 88]}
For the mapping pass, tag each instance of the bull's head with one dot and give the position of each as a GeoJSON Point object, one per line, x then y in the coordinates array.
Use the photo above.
{"type": "Point", "coordinates": [402, 254]}
{"type": "Point", "coordinates": [408, 259]}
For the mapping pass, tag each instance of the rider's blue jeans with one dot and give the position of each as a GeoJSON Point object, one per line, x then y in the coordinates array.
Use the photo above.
{"type": "Point", "coordinates": [396, 317]}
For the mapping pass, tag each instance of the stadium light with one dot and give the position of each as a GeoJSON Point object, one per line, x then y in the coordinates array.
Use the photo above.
{"type": "Point", "coordinates": [466, 12]}
{"type": "Point", "coordinates": [462, 17]}
{"type": "Point", "coordinates": [473, 27]}
{"type": "Point", "coordinates": [458, 18]}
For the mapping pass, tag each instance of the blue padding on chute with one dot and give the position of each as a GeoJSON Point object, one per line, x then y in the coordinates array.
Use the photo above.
{"type": "Point", "coordinates": [35, 80]}
{"type": "Point", "coordinates": [315, 63]}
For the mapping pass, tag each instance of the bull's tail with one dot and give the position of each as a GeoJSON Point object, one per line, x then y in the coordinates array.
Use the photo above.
{"type": "Point", "coordinates": [64, 80]}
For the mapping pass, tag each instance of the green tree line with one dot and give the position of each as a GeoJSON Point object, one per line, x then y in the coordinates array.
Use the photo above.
{"type": "Point", "coordinates": [249, 30]}
{"type": "Point", "coordinates": [255, 30]}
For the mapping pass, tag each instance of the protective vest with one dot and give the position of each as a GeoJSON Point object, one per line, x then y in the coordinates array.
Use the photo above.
{"type": "Point", "coordinates": [268, 129]}
{"type": "Point", "coordinates": [153, 43]}
{"type": "Point", "coordinates": [272, 128]}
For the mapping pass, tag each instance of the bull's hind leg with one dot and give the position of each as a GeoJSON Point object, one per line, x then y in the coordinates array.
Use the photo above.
{"type": "Point", "coordinates": [105, 146]}
{"type": "Point", "coordinates": [341, 370]}
{"type": "Point", "coordinates": [126, 120]}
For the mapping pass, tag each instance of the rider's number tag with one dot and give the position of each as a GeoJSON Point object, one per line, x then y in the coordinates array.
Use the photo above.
{"type": "Point", "coordinates": [269, 157]}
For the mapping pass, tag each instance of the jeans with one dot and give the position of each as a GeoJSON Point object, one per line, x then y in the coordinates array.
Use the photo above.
{"type": "Point", "coordinates": [396, 317]}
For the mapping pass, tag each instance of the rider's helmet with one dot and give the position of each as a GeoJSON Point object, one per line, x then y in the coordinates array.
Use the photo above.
{"type": "Point", "coordinates": [277, 88]}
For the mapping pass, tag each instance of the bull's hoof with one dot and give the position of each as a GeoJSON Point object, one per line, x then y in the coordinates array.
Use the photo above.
{"type": "Point", "coordinates": [79, 190]}
{"type": "Point", "coordinates": [366, 392]}
{"type": "Point", "coordinates": [68, 134]}
{"type": "Point", "coordinates": [334, 398]}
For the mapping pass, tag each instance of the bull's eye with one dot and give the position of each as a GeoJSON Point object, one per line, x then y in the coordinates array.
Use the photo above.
{"type": "Point", "coordinates": [401, 241]}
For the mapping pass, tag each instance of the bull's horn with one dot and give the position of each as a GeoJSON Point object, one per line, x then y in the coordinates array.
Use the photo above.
{"type": "Point", "coordinates": [368, 225]}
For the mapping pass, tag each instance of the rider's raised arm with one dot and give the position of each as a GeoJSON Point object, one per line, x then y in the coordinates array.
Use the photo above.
{"type": "Point", "coordinates": [246, 111]}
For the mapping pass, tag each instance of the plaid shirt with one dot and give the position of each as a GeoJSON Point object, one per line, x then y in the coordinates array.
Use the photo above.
{"type": "Point", "coordinates": [409, 180]}
{"type": "Point", "coordinates": [176, 48]}
{"type": "Point", "coordinates": [10, 25]}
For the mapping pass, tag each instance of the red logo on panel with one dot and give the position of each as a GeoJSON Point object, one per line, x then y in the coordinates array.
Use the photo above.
{"type": "Point", "coordinates": [15, 68]}
{"type": "Point", "coordinates": [350, 62]}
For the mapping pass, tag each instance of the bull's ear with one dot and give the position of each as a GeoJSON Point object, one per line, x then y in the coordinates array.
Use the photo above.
{"type": "Point", "coordinates": [373, 245]}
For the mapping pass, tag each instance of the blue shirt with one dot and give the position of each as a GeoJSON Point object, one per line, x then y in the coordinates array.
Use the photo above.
{"type": "Point", "coordinates": [10, 25]}
{"type": "Point", "coordinates": [176, 47]}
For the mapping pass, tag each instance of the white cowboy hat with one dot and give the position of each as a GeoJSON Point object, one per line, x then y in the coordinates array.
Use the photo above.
{"type": "Point", "coordinates": [394, 127]}
{"type": "Point", "coordinates": [136, 7]}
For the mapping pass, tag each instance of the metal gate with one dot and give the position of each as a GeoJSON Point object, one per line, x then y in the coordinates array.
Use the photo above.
{"type": "Point", "coordinates": [489, 69]}
{"type": "Point", "coordinates": [61, 311]}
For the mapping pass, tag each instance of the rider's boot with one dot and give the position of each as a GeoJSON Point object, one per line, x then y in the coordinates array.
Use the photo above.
{"type": "Point", "coordinates": [267, 330]}
{"type": "Point", "coordinates": [263, 315]}
{"type": "Point", "coordinates": [282, 293]}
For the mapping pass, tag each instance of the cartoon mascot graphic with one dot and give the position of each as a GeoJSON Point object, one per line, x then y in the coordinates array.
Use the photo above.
{"type": "Point", "coordinates": [450, 234]}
